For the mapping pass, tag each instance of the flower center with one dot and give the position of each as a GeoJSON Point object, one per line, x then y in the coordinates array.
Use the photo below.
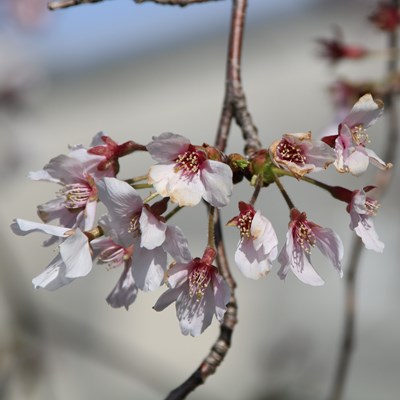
{"type": "Point", "coordinates": [359, 134]}
{"type": "Point", "coordinates": [188, 163]}
{"type": "Point", "coordinates": [134, 226]}
{"type": "Point", "coordinates": [290, 152]}
{"type": "Point", "coordinates": [304, 236]}
{"type": "Point", "coordinates": [244, 223]}
{"type": "Point", "coordinates": [76, 194]}
{"type": "Point", "coordinates": [371, 206]}
{"type": "Point", "coordinates": [199, 279]}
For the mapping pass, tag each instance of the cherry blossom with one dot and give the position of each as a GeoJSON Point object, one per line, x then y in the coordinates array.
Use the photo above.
{"type": "Point", "coordinates": [199, 292]}
{"type": "Point", "coordinates": [115, 255]}
{"type": "Point", "coordinates": [257, 247]}
{"type": "Point", "coordinates": [361, 208]}
{"type": "Point", "coordinates": [75, 204]}
{"type": "Point", "coordinates": [139, 225]}
{"type": "Point", "coordinates": [185, 174]}
{"type": "Point", "coordinates": [352, 155]}
{"type": "Point", "coordinates": [302, 236]}
{"type": "Point", "coordinates": [299, 154]}
{"type": "Point", "coordinates": [73, 261]}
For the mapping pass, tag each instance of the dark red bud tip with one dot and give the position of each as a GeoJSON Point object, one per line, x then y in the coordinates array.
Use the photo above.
{"type": "Point", "coordinates": [341, 193]}
{"type": "Point", "coordinates": [330, 140]}
{"type": "Point", "coordinates": [209, 255]}
{"type": "Point", "coordinates": [129, 147]}
{"type": "Point", "coordinates": [368, 188]}
{"type": "Point", "coordinates": [160, 207]}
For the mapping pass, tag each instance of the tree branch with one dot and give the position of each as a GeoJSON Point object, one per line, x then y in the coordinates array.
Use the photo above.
{"type": "Point", "coordinates": [235, 101]}
{"type": "Point", "coordinates": [348, 339]}
{"type": "Point", "coordinates": [55, 5]}
{"type": "Point", "coordinates": [181, 3]}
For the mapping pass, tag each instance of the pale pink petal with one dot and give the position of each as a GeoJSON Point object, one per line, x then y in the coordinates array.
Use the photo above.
{"type": "Point", "coordinates": [23, 227]}
{"type": "Point", "coordinates": [152, 230]}
{"type": "Point", "coordinates": [375, 160]}
{"type": "Point", "coordinates": [90, 214]}
{"type": "Point", "coordinates": [167, 147]}
{"type": "Point", "coordinates": [42, 175]}
{"type": "Point", "coordinates": [53, 209]}
{"type": "Point", "coordinates": [330, 245]}
{"type": "Point", "coordinates": [75, 252]}
{"type": "Point", "coordinates": [177, 245]}
{"type": "Point", "coordinates": [357, 162]}
{"type": "Point", "coordinates": [178, 274]}
{"type": "Point", "coordinates": [167, 298]}
{"type": "Point", "coordinates": [195, 315]}
{"type": "Point", "coordinates": [125, 291]}
{"type": "Point", "coordinates": [148, 267]}
{"type": "Point", "coordinates": [66, 169]}
{"type": "Point", "coordinates": [319, 155]}
{"type": "Point", "coordinates": [159, 176]}
{"type": "Point", "coordinates": [263, 234]}
{"type": "Point", "coordinates": [365, 112]}
{"type": "Point", "coordinates": [217, 179]}
{"type": "Point", "coordinates": [221, 295]}
{"type": "Point", "coordinates": [307, 274]}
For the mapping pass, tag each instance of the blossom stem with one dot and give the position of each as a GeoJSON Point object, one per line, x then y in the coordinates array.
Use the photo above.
{"type": "Point", "coordinates": [173, 212]}
{"type": "Point", "coordinates": [142, 186]}
{"type": "Point", "coordinates": [283, 192]}
{"type": "Point", "coordinates": [94, 233]}
{"type": "Point", "coordinates": [151, 197]}
{"type": "Point", "coordinates": [256, 190]}
{"type": "Point", "coordinates": [211, 234]}
{"type": "Point", "coordinates": [136, 179]}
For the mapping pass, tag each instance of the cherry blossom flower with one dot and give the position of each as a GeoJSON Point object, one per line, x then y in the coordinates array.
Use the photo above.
{"type": "Point", "coordinates": [139, 225]}
{"type": "Point", "coordinates": [386, 17]}
{"type": "Point", "coordinates": [302, 236]}
{"type": "Point", "coordinates": [75, 204]}
{"type": "Point", "coordinates": [185, 174]}
{"type": "Point", "coordinates": [73, 261]}
{"type": "Point", "coordinates": [199, 292]}
{"type": "Point", "coordinates": [350, 144]}
{"type": "Point", "coordinates": [299, 154]}
{"type": "Point", "coordinates": [336, 50]}
{"type": "Point", "coordinates": [115, 255]}
{"type": "Point", "coordinates": [257, 247]}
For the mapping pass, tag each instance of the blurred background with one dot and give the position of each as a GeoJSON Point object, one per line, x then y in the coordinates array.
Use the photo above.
{"type": "Point", "coordinates": [134, 71]}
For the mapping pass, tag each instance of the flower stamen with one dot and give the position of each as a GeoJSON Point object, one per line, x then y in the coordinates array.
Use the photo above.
{"type": "Point", "coordinates": [290, 152]}
{"type": "Point", "coordinates": [304, 236]}
{"type": "Point", "coordinates": [199, 279]}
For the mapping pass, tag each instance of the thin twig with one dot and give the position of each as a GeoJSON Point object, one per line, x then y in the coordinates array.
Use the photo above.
{"type": "Point", "coordinates": [348, 339]}
{"type": "Point", "coordinates": [58, 4]}
{"type": "Point", "coordinates": [181, 3]}
{"type": "Point", "coordinates": [288, 200]}
{"type": "Point", "coordinates": [235, 101]}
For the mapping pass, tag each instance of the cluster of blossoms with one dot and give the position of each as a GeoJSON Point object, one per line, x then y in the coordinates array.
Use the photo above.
{"type": "Point", "coordinates": [135, 235]}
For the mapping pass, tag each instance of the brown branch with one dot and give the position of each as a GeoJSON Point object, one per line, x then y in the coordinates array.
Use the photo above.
{"type": "Point", "coordinates": [235, 100]}
{"type": "Point", "coordinates": [220, 348]}
{"type": "Point", "coordinates": [181, 3]}
{"type": "Point", "coordinates": [383, 179]}
{"type": "Point", "coordinates": [55, 5]}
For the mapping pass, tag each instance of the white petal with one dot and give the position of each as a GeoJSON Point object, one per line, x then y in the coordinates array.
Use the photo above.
{"type": "Point", "coordinates": [178, 274]}
{"type": "Point", "coordinates": [23, 227]}
{"type": "Point", "coordinates": [159, 176]}
{"type": "Point", "coordinates": [264, 235]}
{"type": "Point", "coordinates": [217, 179]}
{"type": "Point", "coordinates": [53, 277]}
{"type": "Point", "coordinates": [357, 162]}
{"type": "Point", "coordinates": [374, 159]}
{"type": "Point", "coordinates": [152, 230]}
{"type": "Point", "coordinates": [177, 245]}
{"type": "Point", "coordinates": [42, 175]}
{"type": "Point", "coordinates": [75, 252]}
{"type": "Point", "coordinates": [148, 267]}
{"type": "Point", "coordinates": [186, 191]}
{"type": "Point", "coordinates": [125, 291]}
{"type": "Point", "coordinates": [252, 263]}
{"type": "Point", "coordinates": [167, 146]}
{"type": "Point", "coordinates": [366, 231]}
{"type": "Point", "coordinates": [307, 274]}
{"type": "Point", "coordinates": [90, 214]}
{"type": "Point", "coordinates": [121, 199]}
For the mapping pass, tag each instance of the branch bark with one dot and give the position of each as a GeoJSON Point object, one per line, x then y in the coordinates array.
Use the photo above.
{"type": "Point", "coordinates": [55, 5]}
{"type": "Point", "coordinates": [383, 179]}
{"type": "Point", "coordinates": [181, 3]}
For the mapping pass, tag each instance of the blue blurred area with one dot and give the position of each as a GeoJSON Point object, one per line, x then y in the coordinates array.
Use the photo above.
{"type": "Point", "coordinates": [85, 35]}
